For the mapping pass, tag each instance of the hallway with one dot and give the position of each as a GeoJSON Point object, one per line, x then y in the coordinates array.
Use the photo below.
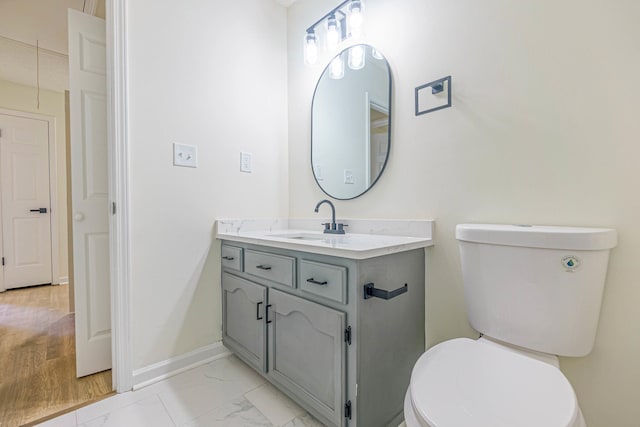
{"type": "Point", "coordinates": [37, 350]}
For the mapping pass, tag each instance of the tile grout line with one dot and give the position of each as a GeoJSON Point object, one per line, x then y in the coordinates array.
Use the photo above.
{"type": "Point", "coordinates": [120, 407]}
{"type": "Point", "coordinates": [166, 410]}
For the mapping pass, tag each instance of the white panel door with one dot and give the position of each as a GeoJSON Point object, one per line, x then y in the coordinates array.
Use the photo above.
{"type": "Point", "coordinates": [24, 184]}
{"type": "Point", "coordinates": [89, 191]}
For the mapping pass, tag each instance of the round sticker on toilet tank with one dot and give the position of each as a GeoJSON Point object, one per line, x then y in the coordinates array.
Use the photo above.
{"type": "Point", "coordinates": [570, 262]}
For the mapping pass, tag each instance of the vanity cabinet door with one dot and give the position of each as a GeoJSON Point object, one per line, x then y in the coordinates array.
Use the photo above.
{"type": "Point", "coordinates": [307, 352]}
{"type": "Point", "coordinates": [243, 324]}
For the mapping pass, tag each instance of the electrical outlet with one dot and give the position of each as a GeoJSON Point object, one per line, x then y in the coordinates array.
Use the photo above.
{"type": "Point", "coordinates": [245, 162]}
{"type": "Point", "coordinates": [185, 155]}
{"type": "Point", "coordinates": [348, 176]}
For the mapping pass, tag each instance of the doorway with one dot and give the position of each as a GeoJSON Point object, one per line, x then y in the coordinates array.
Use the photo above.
{"type": "Point", "coordinates": [50, 212]}
{"type": "Point", "coordinates": [27, 187]}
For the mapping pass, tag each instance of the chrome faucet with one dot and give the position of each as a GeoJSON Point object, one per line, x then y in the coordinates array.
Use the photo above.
{"type": "Point", "coordinates": [331, 227]}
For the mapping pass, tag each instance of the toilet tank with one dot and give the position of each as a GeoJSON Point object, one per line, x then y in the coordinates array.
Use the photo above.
{"type": "Point", "coordinates": [538, 287]}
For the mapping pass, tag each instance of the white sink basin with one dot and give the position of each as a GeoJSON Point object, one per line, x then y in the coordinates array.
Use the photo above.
{"type": "Point", "coordinates": [301, 236]}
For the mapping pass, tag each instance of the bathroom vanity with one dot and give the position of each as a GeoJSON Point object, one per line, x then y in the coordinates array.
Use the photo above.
{"type": "Point", "coordinates": [336, 323]}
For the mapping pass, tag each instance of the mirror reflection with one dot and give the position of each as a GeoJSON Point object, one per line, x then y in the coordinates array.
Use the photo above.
{"type": "Point", "coordinates": [350, 122]}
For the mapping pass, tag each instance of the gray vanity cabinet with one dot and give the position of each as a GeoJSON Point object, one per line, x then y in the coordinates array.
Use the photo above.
{"type": "Point", "coordinates": [244, 331]}
{"type": "Point", "coordinates": [320, 329]}
{"type": "Point", "coordinates": [307, 352]}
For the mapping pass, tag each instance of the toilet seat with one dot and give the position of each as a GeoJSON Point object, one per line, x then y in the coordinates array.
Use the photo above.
{"type": "Point", "coordinates": [464, 382]}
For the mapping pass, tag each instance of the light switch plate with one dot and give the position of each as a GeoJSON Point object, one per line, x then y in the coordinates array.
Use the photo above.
{"type": "Point", "coordinates": [348, 176]}
{"type": "Point", "coordinates": [185, 155]}
{"type": "Point", "coordinates": [245, 162]}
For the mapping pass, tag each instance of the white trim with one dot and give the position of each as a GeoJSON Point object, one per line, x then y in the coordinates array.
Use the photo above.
{"type": "Point", "coordinates": [53, 187]}
{"type": "Point", "coordinates": [2, 288]}
{"type": "Point", "coordinates": [64, 280]}
{"type": "Point", "coordinates": [167, 368]}
{"type": "Point", "coordinates": [118, 133]}
{"type": "Point", "coordinates": [41, 49]}
{"type": "Point", "coordinates": [53, 203]}
{"type": "Point", "coordinates": [90, 7]}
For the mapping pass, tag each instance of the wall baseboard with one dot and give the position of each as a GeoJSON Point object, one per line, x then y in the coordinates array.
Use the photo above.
{"type": "Point", "coordinates": [167, 368]}
{"type": "Point", "coordinates": [63, 280]}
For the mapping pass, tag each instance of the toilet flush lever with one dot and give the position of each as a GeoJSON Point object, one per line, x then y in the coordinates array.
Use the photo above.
{"type": "Point", "coordinates": [370, 292]}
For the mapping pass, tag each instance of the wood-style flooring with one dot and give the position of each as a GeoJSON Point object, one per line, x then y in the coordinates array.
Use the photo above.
{"type": "Point", "coordinates": [37, 357]}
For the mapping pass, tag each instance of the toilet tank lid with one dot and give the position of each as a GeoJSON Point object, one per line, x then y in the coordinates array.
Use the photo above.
{"type": "Point", "coordinates": [539, 236]}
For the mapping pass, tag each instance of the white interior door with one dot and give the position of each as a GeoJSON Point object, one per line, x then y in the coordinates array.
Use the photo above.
{"type": "Point", "coordinates": [24, 185]}
{"type": "Point", "coordinates": [89, 191]}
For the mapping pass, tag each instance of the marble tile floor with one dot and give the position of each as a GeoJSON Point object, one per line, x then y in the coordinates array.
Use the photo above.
{"type": "Point", "coordinates": [225, 392]}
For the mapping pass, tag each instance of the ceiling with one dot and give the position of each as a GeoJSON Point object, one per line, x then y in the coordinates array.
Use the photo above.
{"type": "Point", "coordinates": [22, 23]}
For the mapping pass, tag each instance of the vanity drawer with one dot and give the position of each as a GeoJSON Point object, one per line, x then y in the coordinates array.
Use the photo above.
{"type": "Point", "coordinates": [231, 257]}
{"type": "Point", "coordinates": [277, 268]}
{"type": "Point", "coordinates": [326, 280]}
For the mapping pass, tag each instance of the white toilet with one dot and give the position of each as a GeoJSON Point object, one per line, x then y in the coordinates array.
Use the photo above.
{"type": "Point", "coordinates": [534, 292]}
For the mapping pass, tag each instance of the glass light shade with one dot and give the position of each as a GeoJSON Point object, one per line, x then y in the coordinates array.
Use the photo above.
{"type": "Point", "coordinates": [333, 34]}
{"type": "Point", "coordinates": [355, 18]}
{"type": "Point", "coordinates": [310, 48]}
{"type": "Point", "coordinates": [356, 57]}
{"type": "Point", "coordinates": [336, 69]}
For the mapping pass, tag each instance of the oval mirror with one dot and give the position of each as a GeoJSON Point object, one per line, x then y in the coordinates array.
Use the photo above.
{"type": "Point", "coordinates": [351, 122]}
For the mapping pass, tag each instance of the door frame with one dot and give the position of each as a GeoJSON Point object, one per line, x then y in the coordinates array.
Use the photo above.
{"type": "Point", "coordinates": [118, 157]}
{"type": "Point", "coordinates": [53, 191]}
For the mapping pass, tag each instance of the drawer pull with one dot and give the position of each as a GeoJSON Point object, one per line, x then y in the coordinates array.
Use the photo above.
{"type": "Point", "coordinates": [263, 267]}
{"type": "Point", "coordinates": [228, 258]}
{"type": "Point", "coordinates": [258, 311]}
{"type": "Point", "coordinates": [370, 291]}
{"type": "Point", "coordinates": [315, 282]}
{"type": "Point", "coordinates": [266, 311]}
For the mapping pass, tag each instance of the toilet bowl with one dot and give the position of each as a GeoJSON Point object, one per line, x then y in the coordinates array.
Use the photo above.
{"type": "Point", "coordinates": [480, 383]}
{"type": "Point", "coordinates": [533, 292]}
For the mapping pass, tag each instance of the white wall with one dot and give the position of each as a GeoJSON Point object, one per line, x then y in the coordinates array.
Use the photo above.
{"type": "Point", "coordinates": [17, 97]}
{"type": "Point", "coordinates": [544, 129]}
{"type": "Point", "coordinates": [214, 77]}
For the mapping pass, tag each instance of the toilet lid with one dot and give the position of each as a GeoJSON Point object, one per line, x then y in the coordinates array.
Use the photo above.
{"type": "Point", "coordinates": [465, 382]}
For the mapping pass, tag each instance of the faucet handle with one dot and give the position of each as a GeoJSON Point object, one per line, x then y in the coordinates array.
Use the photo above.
{"type": "Point", "coordinates": [341, 226]}
{"type": "Point", "coordinates": [327, 225]}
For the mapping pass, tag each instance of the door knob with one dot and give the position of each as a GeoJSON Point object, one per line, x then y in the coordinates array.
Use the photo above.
{"type": "Point", "coordinates": [39, 210]}
{"type": "Point", "coordinates": [78, 216]}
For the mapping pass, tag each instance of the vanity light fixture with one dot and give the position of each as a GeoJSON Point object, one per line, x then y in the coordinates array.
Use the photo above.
{"type": "Point", "coordinates": [342, 22]}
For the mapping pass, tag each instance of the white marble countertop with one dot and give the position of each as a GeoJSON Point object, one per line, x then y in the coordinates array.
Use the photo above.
{"type": "Point", "coordinates": [371, 238]}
